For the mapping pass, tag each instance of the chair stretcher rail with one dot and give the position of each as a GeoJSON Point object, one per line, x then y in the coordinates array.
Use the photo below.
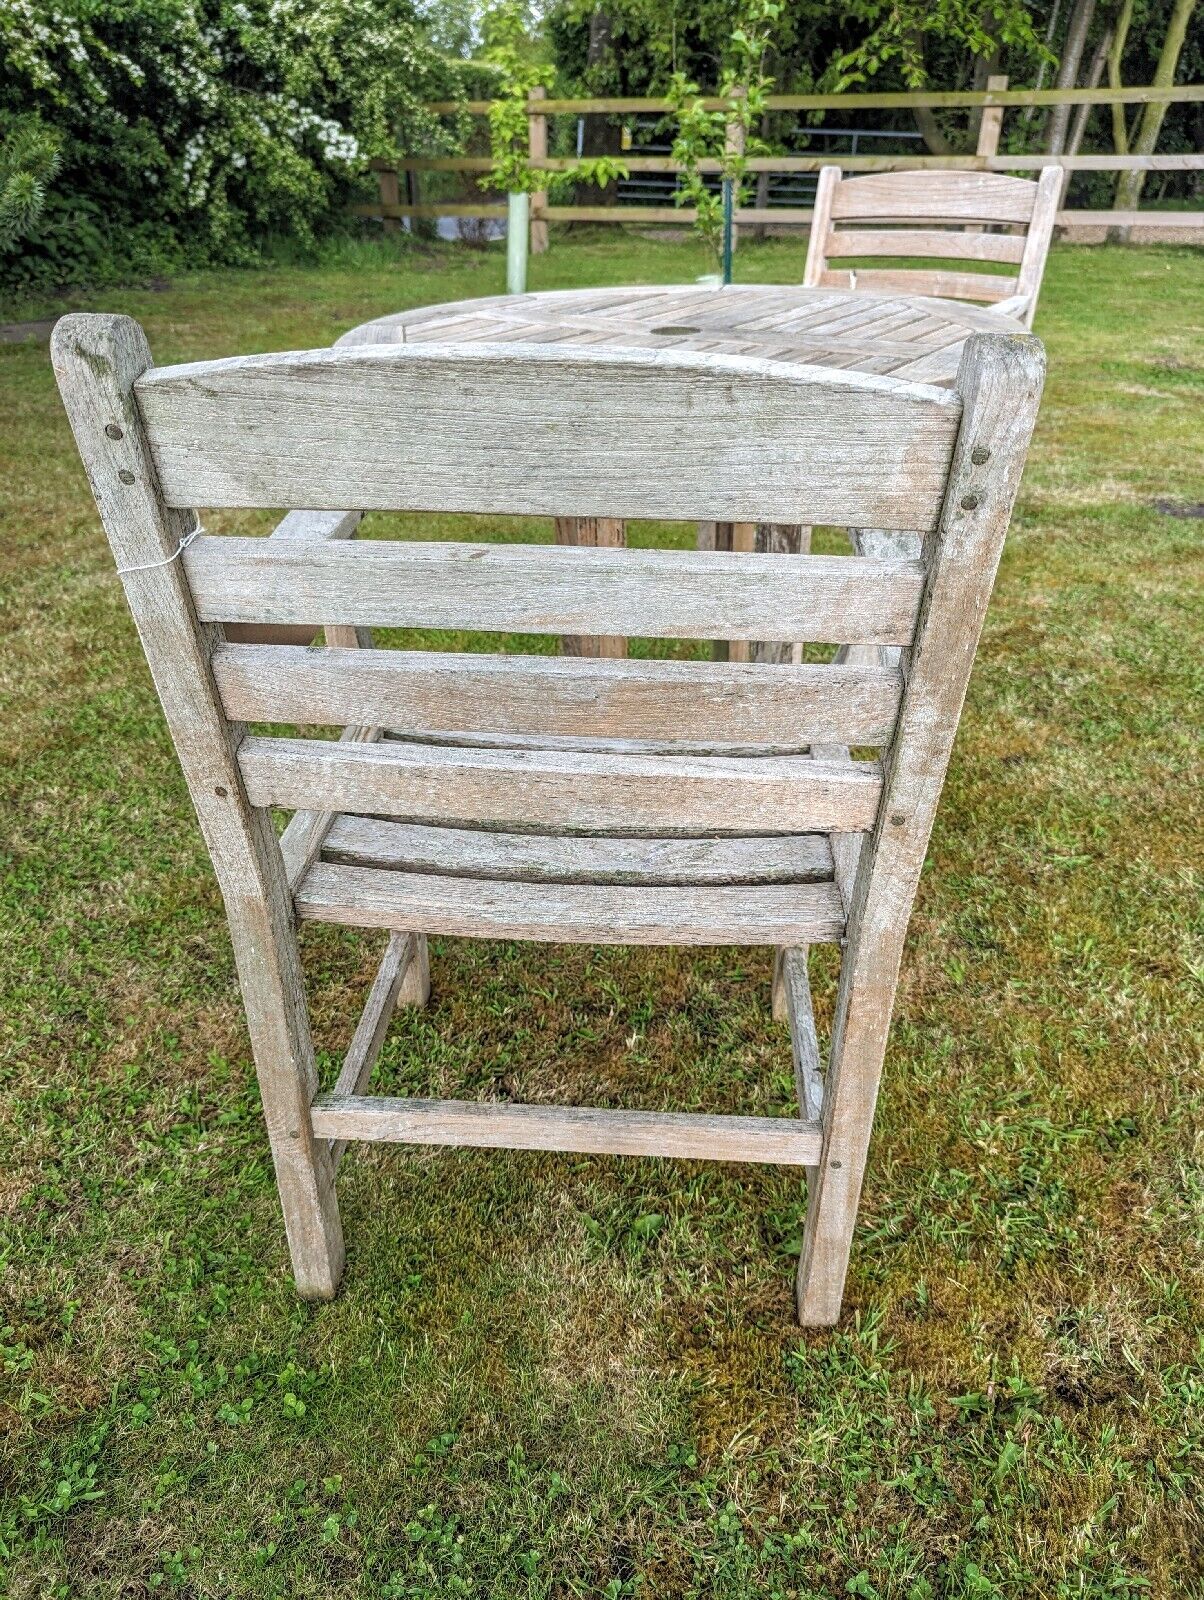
{"type": "Point", "coordinates": [782, 1141]}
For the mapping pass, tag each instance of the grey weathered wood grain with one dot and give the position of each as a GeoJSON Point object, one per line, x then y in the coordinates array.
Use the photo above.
{"type": "Point", "coordinates": [591, 532]}
{"type": "Point", "coordinates": [943, 242]}
{"type": "Point", "coordinates": [1016, 305]}
{"type": "Point", "coordinates": [781, 1141]}
{"type": "Point", "coordinates": [302, 838]}
{"type": "Point", "coordinates": [458, 428]}
{"type": "Point", "coordinates": [1037, 242]}
{"type": "Point", "coordinates": [314, 526]}
{"type": "Point", "coordinates": [434, 692]}
{"type": "Point", "coordinates": [923, 281]}
{"type": "Point", "coordinates": [555, 589]}
{"type": "Point", "coordinates": [400, 953]}
{"type": "Point", "coordinates": [800, 1014]}
{"type": "Point", "coordinates": [530, 857]}
{"type": "Point", "coordinates": [301, 841]}
{"type": "Point", "coordinates": [913, 198]}
{"type": "Point", "coordinates": [572, 913]}
{"type": "Point", "coordinates": [791, 324]}
{"type": "Point", "coordinates": [821, 223]}
{"type": "Point", "coordinates": [1000, 383]}
{"type": "Point", "coordinates": [627, 868]}
{"type": "Point", "coordinates": [318, 527]}
{"type": "Point", "coordinates": [562, 789]}
{"type": "Point", "coordinates": [949, 196]}
{"type": "Point", "coordinates": [97, 361]}
{"type": "Point", "coordinates": [602, 746]}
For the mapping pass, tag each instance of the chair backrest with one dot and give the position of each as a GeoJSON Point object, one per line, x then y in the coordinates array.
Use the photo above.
{"type": "Point", "coordinates": [551, 431]}
{"type": "Point", "coordinates": [908, 214]}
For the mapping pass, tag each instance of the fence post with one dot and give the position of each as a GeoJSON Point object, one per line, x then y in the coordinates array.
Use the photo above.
{"type": "Point", "coordinates": [390, 195]}
{"type": "Point", "coordinates": [537, 150]}
{"type": "Point", "coordinates": [991, 124]}
{"type": "Point", "coordinates": [733, 144]}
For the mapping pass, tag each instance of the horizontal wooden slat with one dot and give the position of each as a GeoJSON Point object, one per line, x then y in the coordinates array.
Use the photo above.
{"type": "Point", "coordinates": [1130, 219]}
{"type": "Point", "coordinates": [311, 525]}
{"type": "Point", "coordinates": [880, 100]}
{"type": "Point", "coordinates": [943, 242]}
{"type": "Point", "coordinates": [699, 795]}
{"type": "Point", "coordinates": [943, 285]}
{"type": "Point", "coordinates": [439, 692]}
{"type": "Point", "coordinates": [1176, 162]}
{"type": "Point", "coordinates": [302, 838]}
{"type": "Point", "coordinates": [780, 1141]}
{"type": "Point", "coordinates": [667, 164]}
{"type": "Point", "coordinates": [531, 857]}
{"type": "Point", "coordinates": [672, 594]}
{"type": "Point", "coordinates": [614, 433]}
{"type": "Point", "coordinates": [775, 216]}
{"type": "Point", "coordinates": [571, 913]}
{"type": "Point", "coordinates": [381, 209]}
{"type": "Point", "coordinates": [603, 747]}
{"type": "Point", "coordinates": [957, 196]}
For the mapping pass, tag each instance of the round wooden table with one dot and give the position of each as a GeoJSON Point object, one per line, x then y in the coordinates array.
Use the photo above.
{"type": "Point", "coordinates": [905, 336]}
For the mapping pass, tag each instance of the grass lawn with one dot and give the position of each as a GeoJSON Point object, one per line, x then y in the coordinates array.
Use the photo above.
{"type": "Point", "coordinates": [560, 1376]}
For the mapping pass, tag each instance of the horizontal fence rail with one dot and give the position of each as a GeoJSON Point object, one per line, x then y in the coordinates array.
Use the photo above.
{"type": "Point", "coordinates": [890, 100]}
{"type": "Point", "coordinates": [996, 98]}
{"type": "Point", "coordinates": [904, 163]}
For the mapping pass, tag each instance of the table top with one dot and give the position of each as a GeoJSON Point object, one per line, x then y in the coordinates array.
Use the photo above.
{"type": "Point", "coordinates": [906, 336]}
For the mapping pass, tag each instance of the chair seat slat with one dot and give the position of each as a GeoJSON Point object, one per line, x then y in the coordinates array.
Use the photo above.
{"type": "Point", "coordinates": [533, 858]}
{"type": "Point", "coordinates": [581, 913]}
{"type": "Point", "coordinates": [442, 692]}
{"type": "Point", "coordinates": [689, 795]}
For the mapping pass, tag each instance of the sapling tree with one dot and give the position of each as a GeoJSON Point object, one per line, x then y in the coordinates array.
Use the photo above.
{"type": "Point", "coordinates": [510, 48]}
{"type": "Point", "coordinates": [728, 134]}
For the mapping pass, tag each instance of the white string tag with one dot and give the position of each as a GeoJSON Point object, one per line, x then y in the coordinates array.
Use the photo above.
{"type": "Point", "coordinates": [123, 572]}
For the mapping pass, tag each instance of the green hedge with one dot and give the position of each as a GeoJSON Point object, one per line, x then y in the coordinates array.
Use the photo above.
{"type": "Point", "coordinates": [193, 130]}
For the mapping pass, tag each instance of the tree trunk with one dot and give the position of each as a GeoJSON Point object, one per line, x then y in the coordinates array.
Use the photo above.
{"type": "Point", "coordinates": [1082, 114]}
{"type": "Point", "coordinates": [761, 231]}
{"type": "Point", "coordinates": [1120, 33]}
{"type": "Point", "coordinates": [1026, 116]}
{"type": "Point", "coordinates": [1129, 185]}
{"type": "Point", "coordinates": [934, 139]}
{"type": "Point", "coordinates": [984, 67]}
{"type": "Point", "coordinates": [600, 137]}
{"type": "Point", "coordinates": [1077, 30]}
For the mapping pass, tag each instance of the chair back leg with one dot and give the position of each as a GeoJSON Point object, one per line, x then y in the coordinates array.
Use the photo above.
{"type": "Point", "coordinates": [97, 361]}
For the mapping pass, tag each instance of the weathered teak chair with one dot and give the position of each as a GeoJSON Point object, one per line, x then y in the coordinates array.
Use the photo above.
{"type": "Point", "coordinates": [905, 214]}
{"type": "Point", "coordinates": [551, 798]}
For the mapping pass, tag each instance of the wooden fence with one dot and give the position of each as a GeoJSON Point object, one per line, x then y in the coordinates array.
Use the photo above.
{"type": "Point", "coordinates": [992, 102]}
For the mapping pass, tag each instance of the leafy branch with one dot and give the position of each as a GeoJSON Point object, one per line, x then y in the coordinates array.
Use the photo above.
{"type": "Point", "coordinates": [508, 48]}
{"type": "Point", "coordinates": [726, 135]}
{"type": "Point", "coordinates": [30, 156]}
